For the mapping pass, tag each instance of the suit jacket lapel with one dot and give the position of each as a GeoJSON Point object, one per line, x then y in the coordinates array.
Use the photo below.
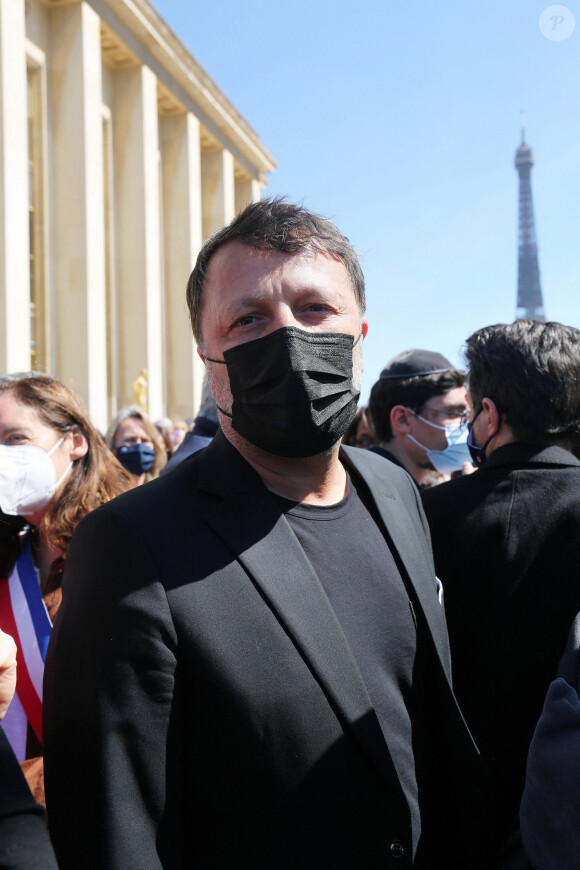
{"type": "Point", "coordinates": [409, 542]}
{"type": "Point", "coordinates": [249, 521]}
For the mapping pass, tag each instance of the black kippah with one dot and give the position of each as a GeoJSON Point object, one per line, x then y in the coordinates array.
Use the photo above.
{"type": "Point", "coordinates": [415, 363]}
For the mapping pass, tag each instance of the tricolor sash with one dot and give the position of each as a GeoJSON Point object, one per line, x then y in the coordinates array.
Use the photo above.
{"type": "Point", "coordinates": [23, 615]}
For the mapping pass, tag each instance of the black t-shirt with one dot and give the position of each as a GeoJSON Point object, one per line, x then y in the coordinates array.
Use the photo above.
{"type": "Point", "coordinates": [356, 568]}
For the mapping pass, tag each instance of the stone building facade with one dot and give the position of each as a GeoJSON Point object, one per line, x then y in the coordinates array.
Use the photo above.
{"type": "Point", "coordinates": [118, 156]}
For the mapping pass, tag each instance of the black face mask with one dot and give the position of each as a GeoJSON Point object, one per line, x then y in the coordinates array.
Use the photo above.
{"type": "Point", "coordinates": [478, 453]}
{"type": "Point", "coordinates": [292, 390]}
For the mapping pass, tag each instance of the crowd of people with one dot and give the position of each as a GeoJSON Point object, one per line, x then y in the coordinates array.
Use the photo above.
{"type": "Point", "coordinates": [295, 632]}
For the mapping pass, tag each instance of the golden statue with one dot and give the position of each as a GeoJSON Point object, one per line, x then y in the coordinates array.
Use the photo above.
{"type": "Point", "coordinates": [140, 390]}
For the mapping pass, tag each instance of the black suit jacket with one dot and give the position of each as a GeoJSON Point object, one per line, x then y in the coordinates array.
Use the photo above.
{"type": "Point", "coordinates": [202, 705]}
{"type": "Point", "coordinates": [24, 843]}
{"type": "Point", "coordinates": [506, 542]}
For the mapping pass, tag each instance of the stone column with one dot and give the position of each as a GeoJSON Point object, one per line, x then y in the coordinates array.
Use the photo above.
{"type": "Point", "coordinates": [180, 151]}
{"type": "Point", "coordinates": [247, 190]}
{"type": "Point", "coordinates": [78, 210]}
{"type": "Point", "coordinates": [14, 270]}
{"type": "Point", "coordinates": [136, 151]}
{"type": "Point", "coordinates": [218, 190]}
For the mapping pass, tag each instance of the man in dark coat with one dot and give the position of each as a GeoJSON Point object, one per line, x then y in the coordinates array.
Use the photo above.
{"type": "Point", "coordinates": [506, 540]}
{"type": "Point", "coordinates": [250, 667]}
{"type": "Point", "coordinates": [24, 843]}
{"type": "Point", "coordinates": [205, 427]}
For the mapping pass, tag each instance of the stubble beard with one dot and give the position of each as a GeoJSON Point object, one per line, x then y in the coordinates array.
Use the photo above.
{"type": "Point", "coordinates": [223, 398]}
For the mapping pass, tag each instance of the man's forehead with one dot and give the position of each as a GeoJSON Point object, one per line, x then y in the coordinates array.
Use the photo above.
{"type": "Point", "coordinates": [235, 255]}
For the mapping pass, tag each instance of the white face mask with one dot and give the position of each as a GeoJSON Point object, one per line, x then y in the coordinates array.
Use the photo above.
{"type": "Point", "coordinates": [454, 455]}
{"type": "Point", "coordinates": [27, 478]}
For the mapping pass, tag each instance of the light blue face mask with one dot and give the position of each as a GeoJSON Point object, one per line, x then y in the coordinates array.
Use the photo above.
{"type": "Point", "coordinates": [455, 454]}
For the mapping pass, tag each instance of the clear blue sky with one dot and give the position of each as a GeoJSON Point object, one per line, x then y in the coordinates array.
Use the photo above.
{"type": "Point", "coordinates": [400, 121]}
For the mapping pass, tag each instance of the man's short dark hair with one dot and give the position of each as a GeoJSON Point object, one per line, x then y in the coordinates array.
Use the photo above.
{"type": "Point", "coordinates": [412, 392]}
{"type": "Point", "coordinates": [531, 370]}
{"type": "Point", "coordinates": [273, 224]}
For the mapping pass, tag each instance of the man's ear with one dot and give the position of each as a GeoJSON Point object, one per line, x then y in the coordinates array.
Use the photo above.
{"type": "Point", "coordinates": [400, 418]}
{"type": "Point", "coordinates": [200, 355]}
{"type": "Point", "coordinates": [80, 445]}
{"type": "Point", "coordinates": [491, 422]}
{"type": "Point", "coordinates": [364, 327]}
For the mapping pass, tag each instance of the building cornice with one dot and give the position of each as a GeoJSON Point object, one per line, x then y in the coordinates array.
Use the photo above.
{"type": "Point", "coordinates": [152, 34]}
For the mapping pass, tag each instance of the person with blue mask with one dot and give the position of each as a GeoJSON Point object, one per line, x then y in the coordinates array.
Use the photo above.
{"type": "Point", "coordinates": [419, 409]}
{"type": "Point", "coordinates": [205, 427]}
{"type": "Point", "coordinates": [137, 444]}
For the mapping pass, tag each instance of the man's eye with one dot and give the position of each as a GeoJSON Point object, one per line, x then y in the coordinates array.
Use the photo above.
{"type": "Point", "coordinates": [245, 321]}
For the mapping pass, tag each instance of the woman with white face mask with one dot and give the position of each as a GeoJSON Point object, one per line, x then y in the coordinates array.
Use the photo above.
{"type": "Point", "coordinates": [54, 468]}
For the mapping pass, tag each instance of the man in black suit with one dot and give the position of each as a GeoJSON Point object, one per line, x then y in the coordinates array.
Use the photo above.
{"type": "Point", "coordinates": [250, 666]}
{"type": "Point", "coordinates": [24, 843]}
{"type": "Point", "coordinates": [506, 540]}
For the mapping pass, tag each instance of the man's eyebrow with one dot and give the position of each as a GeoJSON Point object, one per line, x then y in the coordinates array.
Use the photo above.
{"type": "Point", "coordinates": [251, 297]}
{"type": "Point", "coordinates": [256, 297]}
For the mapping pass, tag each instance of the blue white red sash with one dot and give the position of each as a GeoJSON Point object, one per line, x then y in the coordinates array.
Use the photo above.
{"type": "Point", "coordinates": [23, 615]}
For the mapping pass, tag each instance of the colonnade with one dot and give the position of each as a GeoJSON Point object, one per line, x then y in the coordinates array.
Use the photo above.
{"type": "Point", "coordinates": [118, 157]}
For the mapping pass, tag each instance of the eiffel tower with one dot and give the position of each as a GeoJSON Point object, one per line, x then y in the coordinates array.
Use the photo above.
{"type": "Point", "coordinates": [530, 305]}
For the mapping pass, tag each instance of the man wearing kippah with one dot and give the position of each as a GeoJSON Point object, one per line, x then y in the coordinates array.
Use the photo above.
{"type": "Point", "coordinates": [418, 406]}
